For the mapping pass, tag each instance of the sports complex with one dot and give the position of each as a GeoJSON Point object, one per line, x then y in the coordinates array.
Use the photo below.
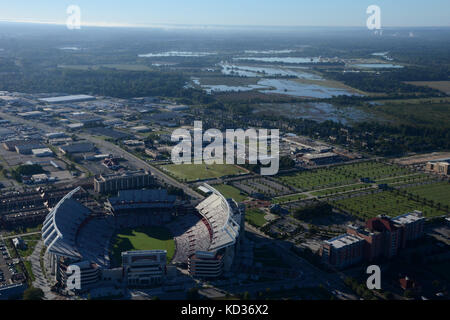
{"type": "Point", "coordinates": [142, 237]}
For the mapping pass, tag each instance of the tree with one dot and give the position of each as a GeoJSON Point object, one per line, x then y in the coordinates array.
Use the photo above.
{"type": "Point", "coordinates": [192, 294]}
{"type": "Point", "coordinates": [33, 293]}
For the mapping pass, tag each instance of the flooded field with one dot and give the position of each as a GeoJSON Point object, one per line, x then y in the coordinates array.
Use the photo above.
{"type": "Point", "coordinates": [289, 60]}
{"type": "Point", "coordinates": [299, 89]}
{"type": "Point", "coordinates": [176, 54]}
{"type": "Point", "coordinates": [378, 66]}
{"type": "Point", "coordinates": [316, 111]}
{"type": "Point", "coordinates": [261, 71]}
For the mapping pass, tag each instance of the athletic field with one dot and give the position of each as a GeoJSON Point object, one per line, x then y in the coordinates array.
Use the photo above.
{"type": "Point", "coordinates": [193, 172]}
{"type": "Point", "coordinates": [144, 238]}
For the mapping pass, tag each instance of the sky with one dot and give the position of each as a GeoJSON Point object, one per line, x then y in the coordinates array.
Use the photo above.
{"type": "Point", "coordinates": [394, 13]}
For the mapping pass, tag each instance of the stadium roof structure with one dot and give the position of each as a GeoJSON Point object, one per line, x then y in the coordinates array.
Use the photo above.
{"type": "Point", "coordinates": [61, 225]}
{"type": "Point", "coordinates": [142, 199]}
{"type": "Point", "coordinates": [220, 215]}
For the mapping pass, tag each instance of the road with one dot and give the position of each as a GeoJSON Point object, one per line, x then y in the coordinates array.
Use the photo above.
{"type": "Point", "coordinates": [139, 163]}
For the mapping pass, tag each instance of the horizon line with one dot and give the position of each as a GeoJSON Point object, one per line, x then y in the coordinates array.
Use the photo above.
{"type": "Point", "coordinates": [200, 26]}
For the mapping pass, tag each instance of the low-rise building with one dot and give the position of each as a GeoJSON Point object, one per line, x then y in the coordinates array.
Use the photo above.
{"type": "Point", "coordinates": [321, 158]}
{"type": "Point", "coordinates": [81, 147]}
{"type": "Point", "coordinates": [343, 251]}
{"type": "Point", "coordinates": [144, 268]}
{"type": "Point", "coordinates": [42, 152]}
{"type": "Point", "coordinates": [439, 167]}
{"type": "Point", "coordinates": [111, 183]}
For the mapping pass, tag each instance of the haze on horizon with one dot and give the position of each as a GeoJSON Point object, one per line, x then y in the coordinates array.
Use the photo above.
{"type": "Point", "coordinates": [283, 13]}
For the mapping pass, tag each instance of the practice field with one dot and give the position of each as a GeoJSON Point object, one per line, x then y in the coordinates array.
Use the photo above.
{"type": "Point", "coordinates": [255, 217]}
{"type": "Point", "coordinates": [230, 192]}
{"type": "Point", "coordinates": [386, 202]}
{"type": "Point", "coordinates": [144, 238]}
{"type": "Point", "coordinates": [194, 172]}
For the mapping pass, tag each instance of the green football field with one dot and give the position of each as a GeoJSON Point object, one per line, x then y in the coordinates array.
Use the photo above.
{"type": "Point", "coordinates": [193, 172]}
{"type": "Point", "coordinates": [144, 238]}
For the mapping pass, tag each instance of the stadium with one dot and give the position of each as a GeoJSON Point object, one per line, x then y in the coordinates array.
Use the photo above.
{"type": "Point", "coordinates": [148, 224]}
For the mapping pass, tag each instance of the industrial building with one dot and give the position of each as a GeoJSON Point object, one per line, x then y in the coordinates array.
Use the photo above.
{"type": "Point", "coordinates": [68, 99]}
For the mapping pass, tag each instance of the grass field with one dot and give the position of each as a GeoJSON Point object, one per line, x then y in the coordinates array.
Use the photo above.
{"type": "Point", "coordinates": [432, 113]}
{"type": "Point", "coordinates": [194, 172]}
{"type": "Point", "coordinates": [332, 191]}
{"type": "Point", "coordinates": [290, 198]}
{"type": "Point", "coordinates": [342, 175]}
{"type": "Point", "coordinates": [438, 192]}
{"type": "Point", "coordinates": [145, 238]}
{"type": "Point", "coordinates": [386, 202]}
{"type": "Point", "coordinates": [405, 179]}
{"type": "Point", "coordinates": [443, 86]}
{"type": "Point", "coordinates": [230, 192]}
{"type": "Point", "coordinates": [255, 217]}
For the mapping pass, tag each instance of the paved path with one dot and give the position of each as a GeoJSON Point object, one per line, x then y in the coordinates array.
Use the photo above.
{"type": "Point", "coordinates": [40, 280]}
{"type": "Point", "coordinates": [22, 235]}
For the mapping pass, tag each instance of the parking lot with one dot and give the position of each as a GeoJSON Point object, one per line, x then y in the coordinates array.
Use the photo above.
{"type": "Point", "coordinates": [6, 265]}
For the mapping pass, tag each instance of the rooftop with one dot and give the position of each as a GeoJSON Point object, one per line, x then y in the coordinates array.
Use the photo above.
{"type": "Point", "coordinates": [343, 240]}
{"type": "Point", "coordinates": [72, 98]}
{"type": "Point", "coordinates": [408, 217]}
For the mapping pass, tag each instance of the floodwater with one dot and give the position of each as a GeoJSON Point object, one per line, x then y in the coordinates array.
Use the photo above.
{"type": "Point", "coordinates": [297, 89]}
{"type": "Point", "coordinates": [269, 51]}
{"type": "Point", "coordinates": [247, 71]}
{"type": "Point", "coordinates": [282, 86]}
{"type": "Point", "coordinates": [176, 54]}
{"type": "Point", "coordinates": [293, 60]}
{"type": "Point", "coordinates": [224, 88]}
{"type": "Point", "coordinates": [378, 66]}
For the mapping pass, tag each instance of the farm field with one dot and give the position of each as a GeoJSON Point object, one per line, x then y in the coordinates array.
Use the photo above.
{"type": "Point", "coordinates": [443, 86]}
{"type": "Point", "coordinates": [193, 172]}
{"type": "Point", "coordinates": [148, 238]}
{"type": "Point", "coordinates": [386, 202]}
{"type": "Point", "coordinates": [438, 192]}
{"type": "Point", "coordinates": [230, 192]}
